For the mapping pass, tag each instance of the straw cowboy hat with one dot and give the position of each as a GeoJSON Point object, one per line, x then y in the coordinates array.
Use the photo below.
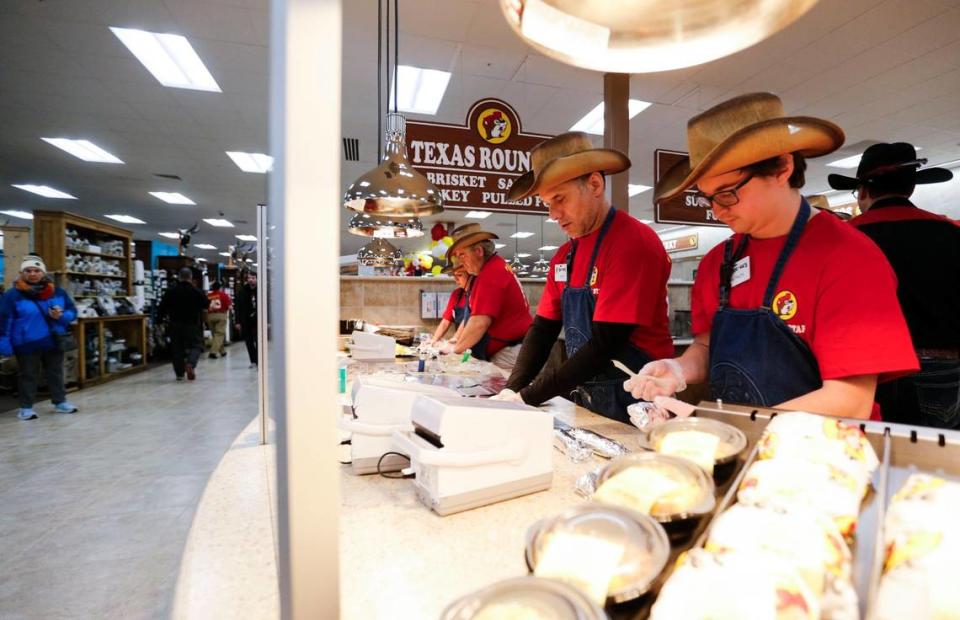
{"type": "Point", "coordinates": [818, 201]}
{"type": "Point", "coordinates": [465, 236]}
{"type": "Point", "coordinates": [562, 158]}
{"type": "Point", "coordinates": [887, 159]}
{"type": "Point", "coordinates": [743, 131]}
{"type": "Point", "coordinates": [452, 266]}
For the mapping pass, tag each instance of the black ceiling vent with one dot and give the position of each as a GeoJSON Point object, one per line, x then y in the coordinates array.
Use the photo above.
{"type": "Point", "coordinates": [172, 177]}
{"type": "Point", "coordinates": [351, 149]}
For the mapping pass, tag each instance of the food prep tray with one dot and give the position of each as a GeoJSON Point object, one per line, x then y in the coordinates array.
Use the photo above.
{"type": "Point", "coordinates": [902, 450]}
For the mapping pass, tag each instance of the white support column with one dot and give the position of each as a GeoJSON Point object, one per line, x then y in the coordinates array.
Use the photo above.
{"type": "Point", "coordinates": [305, 207]}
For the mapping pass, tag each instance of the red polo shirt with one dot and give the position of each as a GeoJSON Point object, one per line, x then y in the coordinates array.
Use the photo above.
{"type": "Point", "coordinates": [629, 282]}
{"type": "Point", "coordinates": [458, 299]}
{"type": "Point", "coordinates": [837, 292]}
{"type": "Point", "coordinates": [496, 293]}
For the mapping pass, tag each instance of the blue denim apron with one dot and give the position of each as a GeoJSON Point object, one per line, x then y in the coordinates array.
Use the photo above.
{"type": "Point", "coordinates": [461, 313]}
{"type": "Point", "coordinates": [755, 358]}
{"type": "Point", "coordinates": [479, 350]}
{"type": "Point", "coordinates": [604, 393]}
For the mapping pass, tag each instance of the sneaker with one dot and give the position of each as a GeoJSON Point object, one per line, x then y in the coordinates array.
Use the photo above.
{"type": "Point", "coordinates": [179, 378]}
{"type": "Point", "coordinates": [27, 414]}
{"type": "Point", "coordinates": [65, 407]}
{"type": "Point", "coordinates": [252, 366]}
{"type": "Point", "coordinates": [212, 356]}
{"type": "Point", "coordinates": [191, 375]}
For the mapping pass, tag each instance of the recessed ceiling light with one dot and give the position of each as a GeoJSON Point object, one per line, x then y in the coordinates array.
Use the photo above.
{"type": "Point", "coordinates": [224, 253]}
{"type": "Point", "coordinates": [592, 122]}
{"type": "Point", "coordinates": [46, 191]}
{"type": "Point", "coordinates": [550, 220]}
{"type": "Point", "coordinates": [170, 235]}
{"type": "Point", "coordinates": [204, 246]}
{"type": "Point", "coordinates": [548, 248]}
{"type": "Point", "coordinates": [520, 234]}
{"type": "Point", "coordinates": [420, 90]}
{"type": "Point", "coordinates": [219, 223]}
{"type": "Point", "coordinates": [201, 259]}
{"type": "Point", "coordinates": [246, 237]}
{"type": "Point", "coordinates": [634, 189]}
{"type": "Point", "coordinates": [169, 57]}
{"type": "Point", "coordinates": [523, 255]}
{"type": "Point", "coordinates": [252, 162]}
{"type": "Point", "coordinates": [84, 149]}
{"type": "Point", "coordinates": [499, 245]}
{"type": "Point", "coordinates": [23, 215]}
{"type": "Point", "coordinates": [126, 219]}
{"type": "Point", "coordinates": [173, 198]}
{"type": "Point", "coordinates": [646, 221]}
{"type": "Point", "coordinates": [478, 215]}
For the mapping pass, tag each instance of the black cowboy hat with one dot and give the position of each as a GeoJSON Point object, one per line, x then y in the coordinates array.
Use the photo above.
{"type": "Point", "coordinates": [883, 159]}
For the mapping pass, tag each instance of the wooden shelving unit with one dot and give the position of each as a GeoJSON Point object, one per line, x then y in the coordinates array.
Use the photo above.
{"type": "Point", "coordinates": [50, 242]}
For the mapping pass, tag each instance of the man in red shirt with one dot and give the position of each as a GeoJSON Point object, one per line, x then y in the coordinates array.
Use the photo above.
{"type": "Point", "coordinates": [607, 286]}
{"type": "Point", "coordinates": [780, 317]}
{"type": "Point", "coordinates": [498, 312]}
{"type": "Point", "coordinates": [924, 250]}
{"type": "Point", "coordinates": [218, 317]}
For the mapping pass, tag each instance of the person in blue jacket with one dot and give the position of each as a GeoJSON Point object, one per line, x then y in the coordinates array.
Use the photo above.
{"type": "Point", "coordinates": [32, 314]}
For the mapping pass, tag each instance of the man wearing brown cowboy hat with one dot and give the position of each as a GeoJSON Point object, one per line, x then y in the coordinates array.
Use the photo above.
{"type": "Point", "coordinates": [924, 251]}
{"type": "Point", "coordinates": [497, 314]}
{"type": "Point", "coordinates": [780, 319]}
{"type": "Point", "coordinates": [606, 287]}
{"type": "Point", "coordinates": [455, 312]}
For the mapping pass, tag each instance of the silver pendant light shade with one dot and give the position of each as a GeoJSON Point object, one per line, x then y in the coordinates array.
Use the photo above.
{"type": "Point", "coordinates": [518, 266]}
{"type": "Point", "coordinates": [394, 187]}
{"type": "Point", "coordinates": [379, 253]}
{"type": "Point", "coordinates": [643, 36]}
{"type": "Point", "coordinates": [386, 226]}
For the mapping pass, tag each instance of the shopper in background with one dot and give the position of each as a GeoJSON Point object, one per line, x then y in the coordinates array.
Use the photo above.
{"type": "Point", "coordinates": [35, 317]}
{"type": "Point", "coordinates": [247, 315]}
{"type": "Point", "coordinates": [218, 317]}
{"type": "Point", "coordinates": [455, 313]}
{"type": "Point", "coordinates": [924, 251]}
{"type": "Point", "coordinates": [499, 314]}
{"type": "Point", "coordinates": [184, 305]}
{"type": "Point", "coordinates": [606, 288]}
{"type": "Point", "coordinates": [797, 309]}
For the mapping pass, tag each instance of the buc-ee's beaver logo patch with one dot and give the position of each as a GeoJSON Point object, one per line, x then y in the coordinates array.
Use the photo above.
{"type": "Point", "coordinates": [785, 305]}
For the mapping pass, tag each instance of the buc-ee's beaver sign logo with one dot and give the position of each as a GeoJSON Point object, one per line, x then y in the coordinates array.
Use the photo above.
{"type": "Point", "coordinates": [493, 125]}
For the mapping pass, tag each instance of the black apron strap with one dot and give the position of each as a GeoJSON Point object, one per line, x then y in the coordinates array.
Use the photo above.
{"type": "Point", "coordinates": [730, 258]}
{"type": "Point", "coordinates": [793, 239]}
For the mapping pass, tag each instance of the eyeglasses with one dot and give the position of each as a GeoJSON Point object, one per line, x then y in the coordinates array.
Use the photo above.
{"type": "Point", "coordinates": [723, 198]}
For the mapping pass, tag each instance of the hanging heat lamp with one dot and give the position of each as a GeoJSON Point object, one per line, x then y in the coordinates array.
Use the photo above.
{"type": "Point", "coordinates": [542, 266]}
{"type": "Point", "coordinates": [379, 253]}
{"type": "Point", "coordinates": [517, 265]}
{"type": "Point", "coordinates": [385, 226]}
{"type": "Point", "coordinates": [394, 187]}
{"type": "Point", "coordinates": [643, 36]}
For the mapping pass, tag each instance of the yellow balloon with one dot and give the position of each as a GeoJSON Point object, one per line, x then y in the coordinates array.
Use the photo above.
{"type": "Point", "coordinates": [448, 241]}
{"type": "Point", "coordinates": [426, 260]}
{"type": "Point", "coordinates": [437, 270]}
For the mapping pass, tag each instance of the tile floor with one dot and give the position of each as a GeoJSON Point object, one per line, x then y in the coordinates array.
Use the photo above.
{"type": "Point", "coordinates": [96, 507]}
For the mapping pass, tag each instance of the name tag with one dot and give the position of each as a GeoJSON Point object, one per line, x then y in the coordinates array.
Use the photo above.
{"type": "Point", "coordinates": [741, 271]}
{"type": "Point", "coordinates": [560, 272]}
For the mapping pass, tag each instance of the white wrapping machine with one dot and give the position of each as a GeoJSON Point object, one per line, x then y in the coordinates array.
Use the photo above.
{"type": "Point", "coordinates": [381, 405]}
{"type": "Point", "coordinates": [372, 347]}
{"type": "Point", "coordinates": [467, 453]}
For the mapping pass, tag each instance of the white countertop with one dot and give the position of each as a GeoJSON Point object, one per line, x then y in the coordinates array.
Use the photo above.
{"type": "Point", "coordinates": [399, 560]}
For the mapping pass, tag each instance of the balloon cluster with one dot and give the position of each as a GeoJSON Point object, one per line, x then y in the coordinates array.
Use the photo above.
{"type": "Point", "coordinates": [424, 262]}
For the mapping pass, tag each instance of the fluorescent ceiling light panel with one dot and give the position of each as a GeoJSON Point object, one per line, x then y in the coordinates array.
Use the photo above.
{"type": "Point", "coordinates": [550, 220]}
{"type": "Point", "coordinates": [478, 215]}
{"type": "Point", "coordinates": [420, 90]}
{"type": "Point", "coordinates": [170, 235]}
{"type": "Point", "coordinates": [246, 237]}
{"type": "Point", "coordinates": [252, 162]}
{"type": "Point", "coordinates": [46, 191]}
{"type": "Point", "coordinates": [523, 255]}
{"type": "Point", "coordinates": [499, 245]}
{"type": "Point", "coordinates": [592, 122]}
{"type": "Point", "coordinates": [205, 246]}
{"type": "Point", "coordinates": [218, 223]}
{"type": "Point", "coordinates": [520, 234]}
{"type": "Point", "coordinates": [224, 253]}
{"type": "Point", "coordinates": [125, 219]}
{"type": "Point", "coordinates": [169, 57]}
{"type": "Point", "coordinates": [172, 198]}
{"type": "Point", "coordinates": [23, 215]}
{"type": "Point", "coordinates": [548, 248]}
{"type": "Point", "coordinates": [634, 189]}
{"type": "Point", "coordinates": [84, 149]}
{"type": "Point", "coordinates": [201, 259]}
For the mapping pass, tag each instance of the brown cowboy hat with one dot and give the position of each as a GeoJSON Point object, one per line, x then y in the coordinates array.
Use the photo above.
{"type": "Point", "coordinates": [465, 236]}
{"type": "Point", "coordinates": [562, 158]}
{"type": "Point", "coordinates": [452, 266]}
{"type": "Point", "coordinates": [743, 131]}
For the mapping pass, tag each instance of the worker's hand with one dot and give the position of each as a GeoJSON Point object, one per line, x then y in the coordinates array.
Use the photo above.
{"type": "Point", "coordinates": [658, 378]}
{"type": "Point", "coordinates": [445, 347]}
{"type": "Point", "coordinates": [56, 313]}
{"type": "Point", "coordinates": [509, 396]}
